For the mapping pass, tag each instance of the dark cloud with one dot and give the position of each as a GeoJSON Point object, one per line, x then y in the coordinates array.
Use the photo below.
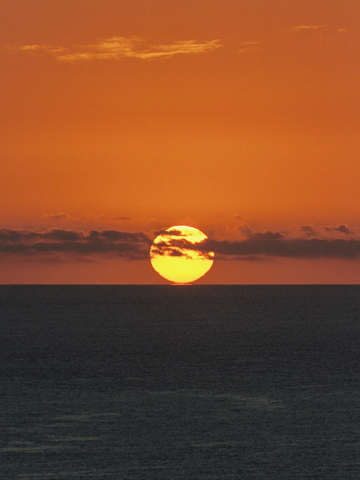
{"type": "Point", "coordinates": [308, 230]}
{"type": "Point", "coordinates": [114, 235]}
{"type": "Point", "coordinates": [175, 253]}
{"type": "Point", "coordinates": [342, 228]}
{"type": "Point", "coordinates": [172, 233]}
{"type": "Point", "coordinates": [136, 245]}
{"type": "Point", "coordinates": [59, 234]}
{"type": "Point", "coordinates": [57, 216]}
{"type": "Point", "coordinates": [121, 218]}
{"type": "Point", "coordinates": [278, 246]}
{"type": "Point", "coordinates": [257, 236]}
{"type": "Point", "coordinates": [108, 242]}
{"type": "Point", "coordinates": [263, 237]}
{"type": "Point", "coordinates": [269, 243]}
{"type": "Point", "coordinates": [9, 235]}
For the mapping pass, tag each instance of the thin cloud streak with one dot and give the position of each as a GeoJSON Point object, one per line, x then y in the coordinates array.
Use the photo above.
{"type": "Point", "coordinates": [298, 28]}
{"type": "Point", "coordinates": [322, 29]}
{"type": "Point", "coordinates": [117, 48]}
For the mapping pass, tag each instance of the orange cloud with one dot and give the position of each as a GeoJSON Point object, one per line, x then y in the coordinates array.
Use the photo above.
{"type": "Point", "coordinates": [299, 28]}
{"type": "Point", "coordinates": [323, 29]}
{"type": "Point", "coordinates": [122, 47]}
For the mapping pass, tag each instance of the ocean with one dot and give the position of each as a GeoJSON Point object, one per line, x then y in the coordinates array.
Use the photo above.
{"type": "Point", "coordinates": [180, 382]}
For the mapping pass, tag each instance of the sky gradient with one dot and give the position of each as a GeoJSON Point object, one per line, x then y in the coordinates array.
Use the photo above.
{"type": "Point", "coordinates": [120, 119]}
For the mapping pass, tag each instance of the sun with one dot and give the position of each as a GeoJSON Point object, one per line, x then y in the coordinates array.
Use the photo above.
{"type": "Point", "coordinates": [174, 258]}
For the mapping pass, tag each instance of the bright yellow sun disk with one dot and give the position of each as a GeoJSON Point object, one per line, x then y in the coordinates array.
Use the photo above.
{"type": "Point", "coordinates": [175, 262]}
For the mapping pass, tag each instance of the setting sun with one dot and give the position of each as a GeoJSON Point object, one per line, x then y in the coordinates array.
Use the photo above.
{"type": "Point", "coordinates": [172, 258]}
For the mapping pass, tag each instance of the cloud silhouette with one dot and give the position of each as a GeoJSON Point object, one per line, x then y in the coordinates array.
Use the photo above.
{"type": "Point", "coordinates": [108, 242]}
{"type": "Point", "coordinates": [308, 230]}
{"type": "Point", "coordinates": [56, 216]}
{"type": "Point", "coordinates": [266, 236]}
{"type": "Point", "coordinates": [136, 245]}
{"type": "Point", "coordinates": [342, 228]}
{"type": "Point", "coordinates": [281, 247]}
{"type": "Point", "coordinates": [169, 234]}
{"type": "Point", "coordinates": [258, 236]}
{"type": "Point", "coordinates": [276, 244]}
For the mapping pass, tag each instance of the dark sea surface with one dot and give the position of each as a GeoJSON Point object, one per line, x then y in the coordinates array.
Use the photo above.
{"type": "Point", "coordinates": [180, 382]}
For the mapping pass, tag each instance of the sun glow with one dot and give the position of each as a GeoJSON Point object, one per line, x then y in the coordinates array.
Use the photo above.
{"type": "Point", "coordinates": [174, 258]}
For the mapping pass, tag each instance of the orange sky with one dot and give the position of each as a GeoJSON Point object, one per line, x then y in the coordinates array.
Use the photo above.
{"type": "Point", "coordinates": [238, 118]}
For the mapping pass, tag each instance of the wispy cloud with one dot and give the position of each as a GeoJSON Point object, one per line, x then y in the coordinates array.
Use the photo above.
{"type": "Point", "coordinates": [37, 49]}
{"type": "Point", "coordinates": [319, 30]}
{"type": "Point", "coordinates": [300, 28]}
{"type": "Point", "coordinates": [249, 47]}
{"type": "Point", "coordinates": [34, 48]}
{"type": "Point", "coordinates": [117, 48]}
